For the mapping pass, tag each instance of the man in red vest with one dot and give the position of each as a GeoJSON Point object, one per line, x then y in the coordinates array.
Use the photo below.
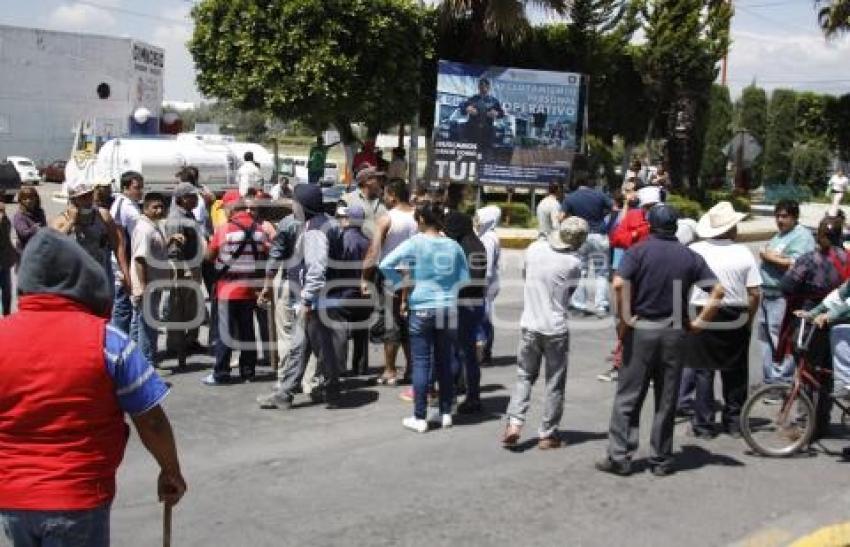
{"type": "Point", "coordinates": [62, 429]}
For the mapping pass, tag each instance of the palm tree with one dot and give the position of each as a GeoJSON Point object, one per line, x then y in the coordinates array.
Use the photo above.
{"type": "Point", "coordinates": [834, 16]}
{"type": "Point", "coordinates": [502, 20]}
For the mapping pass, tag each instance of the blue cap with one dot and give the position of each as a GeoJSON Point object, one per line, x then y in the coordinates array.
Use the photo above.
{"type": "Point", "coordinates": [663, 219]}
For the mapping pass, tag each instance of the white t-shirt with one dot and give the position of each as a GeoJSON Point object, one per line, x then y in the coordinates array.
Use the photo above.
{"type": "Point", "coordinates": [838, 184]}
{"type": "Point", "coordinates": [735, 267]}
{"type": "Point", "coordinates": [148, 243]}
{"type": "Point", "coordinates": [547, 212]}
{"type": "Point", "coordinates": [550, 279]}
{"type": "Point", "coordinates": [249, 176]}
{"type": "Point", "coordinates": [125, 212]}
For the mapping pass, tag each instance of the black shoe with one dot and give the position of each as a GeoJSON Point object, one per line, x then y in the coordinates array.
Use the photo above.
{"type": "Point", "coordinates": [469, 407]}
{"type": "Point", "coordinates": [195, 348]}
{"type": "Point", "coordinates": [661, 469]}
{"type": "Point", "coordinates": [607, 465]}
{"type": "Point", "coordinates": [733, 430]}
{"type": "Point", "coordinates": [332, 397]}
{"type": "Point", "coordinates": [684, 412]}
{"type": "Point", "coordinates": [703, 433]}
{"type": "Point", "coordinates": [845, 453]}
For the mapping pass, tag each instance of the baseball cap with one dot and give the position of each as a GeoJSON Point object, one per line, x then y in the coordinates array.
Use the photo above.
{"type": "Point", "coordinates": [569, 235]}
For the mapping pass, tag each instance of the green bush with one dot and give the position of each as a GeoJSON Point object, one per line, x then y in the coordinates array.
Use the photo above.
{"type": "Point", "coordinates": [740, 203]}
{"type": "Point", "coordinates": [810, 164]}
{"type": "Point", "coordinates": [687, 208]}
{"type": "Point", "coordinates": [516, 214]}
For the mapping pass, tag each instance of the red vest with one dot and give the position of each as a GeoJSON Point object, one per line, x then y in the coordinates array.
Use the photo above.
{"type": "Point", "coordinates": [62, 432]}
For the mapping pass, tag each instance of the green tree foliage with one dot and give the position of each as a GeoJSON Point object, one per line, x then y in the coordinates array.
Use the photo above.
{"type": "Point", "coordinates": [781, 127]}
{"type": "Point", "coordinates": [834, 16]}
{"type": "Point", "coordinates": [812, 116]}
{"type": "Point", "coordinates": [717, 135]}
{"type": "Point", "coordinates": [315, 61]}
{"type": "Point", "coordinates": [685, 41]}
{"type": "Point", "coordinates": [838, 117]}
{"type": "Point", "coordinates": [810, 164]}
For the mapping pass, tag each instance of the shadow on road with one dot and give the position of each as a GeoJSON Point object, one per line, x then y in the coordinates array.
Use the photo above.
{"type": "Point", "coordinates": [694, 457]}
{"type": "Point", "coordinates": [503, 361]}
{"type": "Point", "coordinates": [494, 409]}
{"type": "Point", "coordinates": [356, 399]}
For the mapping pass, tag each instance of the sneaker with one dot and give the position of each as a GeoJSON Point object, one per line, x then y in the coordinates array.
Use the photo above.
{"type": "Point", "coordinates": [274, 401]}
{"type": "Point", "coordinates": [406, 395]}
{"type": "Point", "coordinates": [550, 442]}
{"type": "Point", "coordinates": [703, 433]}
{"type": "Point", "coordinates": [607, 465]}
{"type": "Point", "coordinates": [661, 470]}
{"type": "Point", "coordinates": [609, 375]}
{"type": "Point", "coordinates": [469, 407]}
{"type": "Point", "coordinates": [446, 421]}
{"type": "Point", "coordinates": [210, 380]}
{"type": "Point", "coordinates": [415, 424]}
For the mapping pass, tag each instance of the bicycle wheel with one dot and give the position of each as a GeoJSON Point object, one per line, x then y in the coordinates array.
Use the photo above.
{"type": "Point", "coordinates": [774, 426]}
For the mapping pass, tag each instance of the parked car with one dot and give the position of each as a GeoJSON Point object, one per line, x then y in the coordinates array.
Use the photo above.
{"type": "Point", "coordinates": [55, 172]}
{"type": "Point", "coordinates": [10, 181]}
{"type": "Point", "coordinates": [26, 169]}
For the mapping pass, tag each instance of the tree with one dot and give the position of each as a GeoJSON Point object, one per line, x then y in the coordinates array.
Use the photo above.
{"type": "Point", "coordinates": [834, 16]}
{"type": "Point", "coordinates": [781, 125]}
{"type": "Point", "coordinates": [315, 61]}
{"type": "Point", "coordinates": [717, 135]}
{"type": "Point", "coordinates": [812, 117]}
{"type": "Point", "coordinates": [685, 41]}
{"type": "Point", "coordinates": [751, 116]}
{"type": "Point", "coordinates": [810, 163]}
{"type": "Point", "coordinates": [490, 22]}
{"type": "Point", "coordinates": [838, 117]}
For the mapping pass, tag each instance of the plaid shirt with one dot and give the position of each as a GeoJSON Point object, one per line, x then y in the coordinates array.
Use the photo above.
{"type": "Point", "coordinates": [813, 276]}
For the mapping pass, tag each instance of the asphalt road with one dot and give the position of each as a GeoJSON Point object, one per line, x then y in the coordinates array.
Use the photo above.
{"type": "Point", "coordinates": [354, 476]}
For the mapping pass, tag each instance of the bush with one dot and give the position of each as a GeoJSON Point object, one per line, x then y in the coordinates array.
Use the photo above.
{"type": "Point", "coordinates": [774, 193]}
{"type": "Point", "coordinates": [810, 164]}
{"type": "Point", "coordinates": [739, 202]}
{"type": "Point", "coordinates": [687, 208]}
{"type": "Point", "coordinates": [516, 213]}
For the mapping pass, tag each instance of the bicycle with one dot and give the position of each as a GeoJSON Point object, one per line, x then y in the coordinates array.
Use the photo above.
{"type": "Point", "coordinates": [778, 420]}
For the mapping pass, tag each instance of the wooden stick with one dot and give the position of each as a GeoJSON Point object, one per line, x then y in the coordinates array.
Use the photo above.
{"type": "Point", "coordinates": [166, 525]}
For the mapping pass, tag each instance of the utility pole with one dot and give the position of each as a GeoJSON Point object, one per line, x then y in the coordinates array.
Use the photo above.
{"type": "Point", "coordinates": [724, 64]}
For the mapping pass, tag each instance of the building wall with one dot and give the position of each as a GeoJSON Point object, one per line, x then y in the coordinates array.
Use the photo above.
{"type": "Point", "coordinates": [48, 84]}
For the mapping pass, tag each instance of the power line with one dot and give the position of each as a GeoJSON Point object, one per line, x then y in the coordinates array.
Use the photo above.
{"type": "Point", "coordinates": [130, 12]}
{"type": "Point", "coordinates": [774, 21]}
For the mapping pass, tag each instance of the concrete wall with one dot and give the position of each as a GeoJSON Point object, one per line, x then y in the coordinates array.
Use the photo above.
{"type": "Point", "coordinates": [48, 83]}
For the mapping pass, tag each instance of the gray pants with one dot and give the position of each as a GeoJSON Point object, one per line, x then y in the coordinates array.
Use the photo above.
{"type": "Point", "coordinates": [533, 346]}
{"type": "Point", "coordinates": [329, 343]}
{"type": "Point", "coordinates": [649, 354]}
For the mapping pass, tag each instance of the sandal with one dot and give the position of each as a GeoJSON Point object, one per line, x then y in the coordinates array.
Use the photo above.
{"type": "Point", "coordinates": [387, 380]}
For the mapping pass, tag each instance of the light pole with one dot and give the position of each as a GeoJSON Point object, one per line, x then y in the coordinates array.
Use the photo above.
{"type": "Point", "coordinates": [413, 157]}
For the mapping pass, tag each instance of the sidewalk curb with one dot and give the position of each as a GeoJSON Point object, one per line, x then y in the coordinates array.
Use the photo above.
{"type": "Point", "coordinates": [522, 242]}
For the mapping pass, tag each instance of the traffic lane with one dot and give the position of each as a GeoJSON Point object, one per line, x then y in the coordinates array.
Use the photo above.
{"type": "Point", "coordinates": [354, 476]}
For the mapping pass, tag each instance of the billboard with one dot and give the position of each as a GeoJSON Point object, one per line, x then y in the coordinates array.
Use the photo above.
{"type": "Point", "coordinates": [505, 126]}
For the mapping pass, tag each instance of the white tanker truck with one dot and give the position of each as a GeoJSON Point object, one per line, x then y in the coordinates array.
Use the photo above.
{"type": "Point", "coordinates": [158, 159]}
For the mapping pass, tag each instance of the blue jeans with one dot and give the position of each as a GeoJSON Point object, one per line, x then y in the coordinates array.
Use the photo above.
{"type": "Point", "coordinates": [122, 310]}
{"type": "Point", "coordinates": [431, 334]}
{"type": "Point", "coordinates": [144, 334]}
{"type": "Point", "coordinates": [770, 316]}
{"type": "Point", "coordinates": [85, 528]}
{"type": "Point", "coordinates": [594, 275]}
{"type": "Point", "coordinates": [470, 320]}
{"type": "Point", "coordinates": [6, 289]}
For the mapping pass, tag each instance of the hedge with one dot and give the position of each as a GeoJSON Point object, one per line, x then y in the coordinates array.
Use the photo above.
{"type": "Point", "coordinates": [687, 208]}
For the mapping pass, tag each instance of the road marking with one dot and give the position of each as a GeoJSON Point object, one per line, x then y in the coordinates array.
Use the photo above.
{"type": "Point", "coordinates": [837, 535]}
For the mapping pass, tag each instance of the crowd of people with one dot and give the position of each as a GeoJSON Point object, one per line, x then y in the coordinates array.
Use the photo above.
{"type": "Point", "coordinates": [417, 273]}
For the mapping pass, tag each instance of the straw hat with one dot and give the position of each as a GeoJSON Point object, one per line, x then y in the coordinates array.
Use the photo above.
{"type": "Point", "coordinates": [718, 220]}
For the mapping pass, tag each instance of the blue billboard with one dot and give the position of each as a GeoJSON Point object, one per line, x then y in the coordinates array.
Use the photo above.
{"type": "Point", "coordinates": [506, 126]}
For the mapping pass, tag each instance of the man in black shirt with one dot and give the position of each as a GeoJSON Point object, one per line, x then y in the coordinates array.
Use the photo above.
{"type": "Point", "coordinates": [652, 286]}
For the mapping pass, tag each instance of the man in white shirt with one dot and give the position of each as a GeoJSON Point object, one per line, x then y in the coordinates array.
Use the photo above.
{"type": "Point", "coordinates": [837, 187]}
{"type": "Point", "coordinates": [549, 210]}
{"type": "Point", "coordinates": [249, 176]}
{"type": "Point", "coordinates": [552, 269]}
{"type": "Point", "coordinates": [725, 348]}
{"type": "Point", "coordinates": [125, 212]}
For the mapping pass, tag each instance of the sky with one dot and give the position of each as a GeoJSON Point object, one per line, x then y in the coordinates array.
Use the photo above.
{"type": "Point", "coordinates": [776, 43]}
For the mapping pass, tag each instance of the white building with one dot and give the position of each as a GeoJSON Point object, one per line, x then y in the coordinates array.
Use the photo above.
{"type": "Point", "coordinates": [52, 81]}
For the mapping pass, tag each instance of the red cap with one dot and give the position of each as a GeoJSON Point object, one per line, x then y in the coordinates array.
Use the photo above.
{"type": "Point", "coordinates": [230, 197]}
